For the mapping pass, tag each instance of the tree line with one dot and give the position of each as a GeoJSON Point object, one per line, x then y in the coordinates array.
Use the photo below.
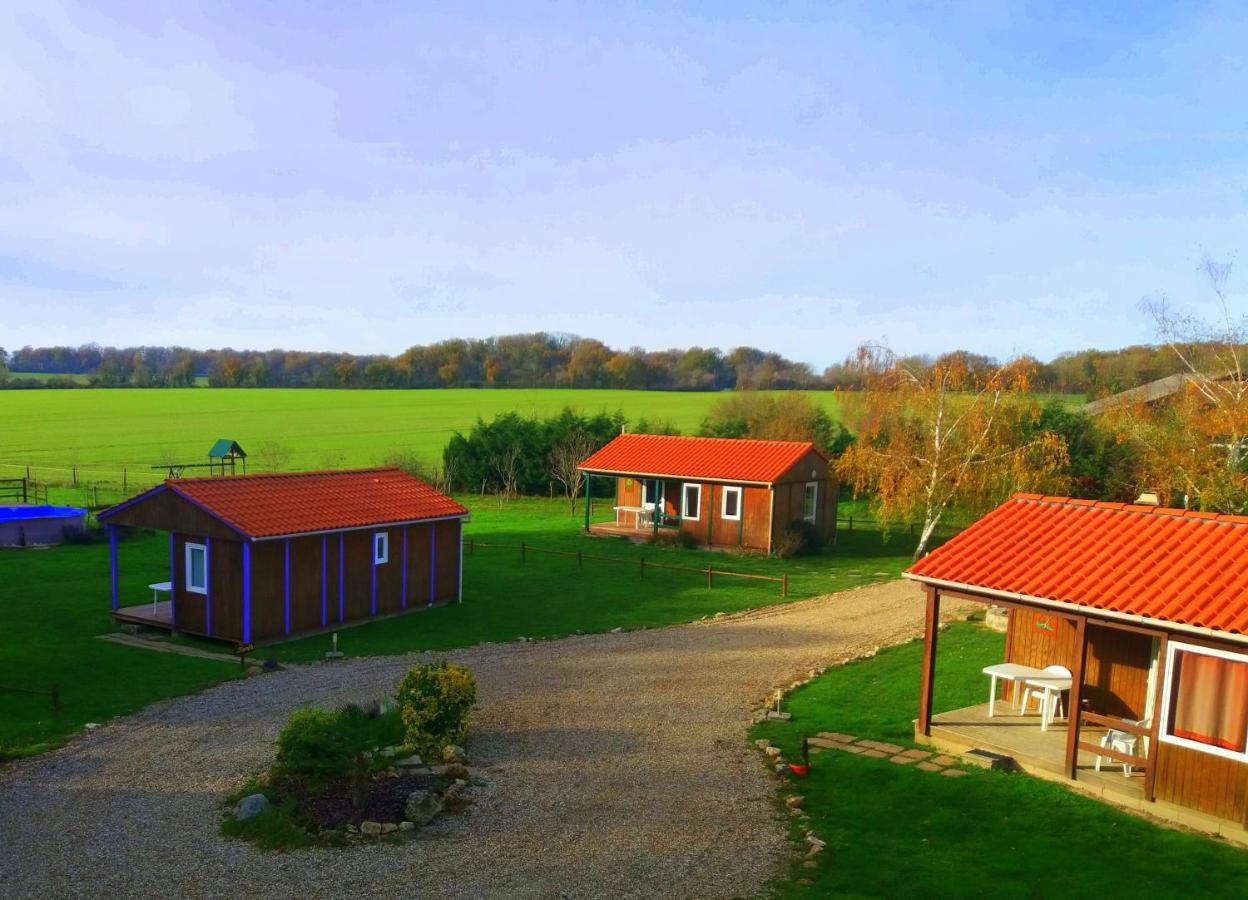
{"type": "Point", "coordinates": [535, 361]}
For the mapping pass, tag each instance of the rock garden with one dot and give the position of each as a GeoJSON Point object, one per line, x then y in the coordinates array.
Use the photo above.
{"type": "Point", "coordinates": [364, 773]}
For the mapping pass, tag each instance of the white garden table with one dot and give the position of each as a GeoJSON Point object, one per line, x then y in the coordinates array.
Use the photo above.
{"type": "Point", "coordinates": [1014, 672]}
{"type": "Point", "coordinates": [160, 587]}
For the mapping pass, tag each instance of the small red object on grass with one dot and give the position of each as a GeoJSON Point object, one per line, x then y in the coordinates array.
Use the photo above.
{"type": "Point", "coordinates": [798, 771]}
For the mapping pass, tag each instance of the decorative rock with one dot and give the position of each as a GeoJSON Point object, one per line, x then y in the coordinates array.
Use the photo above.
{"type": "Point", "coordinates": [410, 762]}
{"type": "Point", "coordinates": [452, 771]}
{"type": "Point", "coordinates": [795, 802]}
{"type": "Point", "coordinates": [773, 752]}
{"type": "Point", "coordinates": [616, 630]}
{"type": "Point", "coordinates": [370, 829]}
{"type": "Point", "coordinates": [478, 781]}
{"type": "Point", "coordinates": [407, 826]}
{"type": "Point", "coordinates": [456, 791]}
{"type": "Point", "coordinates": [388, 828]}
{"type": "Point", "coordinates": [351, 829]}
{"type": "Point", "coordinates": [810, 864]}
{"type": "Point", "coordinates": [422, 806]}
{"type": "Point", "coordinates": [453, 753]}
{"type": "Point", "coordinates": [250, 807]}
{"type": "Point", "coordinates": [762, 743]}
{"type": "Point", "coordinates": [782, 769]}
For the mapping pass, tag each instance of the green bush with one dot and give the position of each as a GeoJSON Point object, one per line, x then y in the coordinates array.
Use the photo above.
{"type": "Point", "coordinates": [315, 747]}
{"type": "Point", "coordinates": [434, 703]}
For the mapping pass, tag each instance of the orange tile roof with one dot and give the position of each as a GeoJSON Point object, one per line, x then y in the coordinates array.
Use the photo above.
{"type": "Point", "coordinates": [287, 503]}
{"type": "Point", "coordinates": [716, 459]}
{"type": "Point", "coordinates": [1179, 566]}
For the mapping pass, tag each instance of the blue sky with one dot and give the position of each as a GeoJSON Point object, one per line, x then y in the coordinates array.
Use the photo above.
{"type": "Point", "coordinates": [802, 177]}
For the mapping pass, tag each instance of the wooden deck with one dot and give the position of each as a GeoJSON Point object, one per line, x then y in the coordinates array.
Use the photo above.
{"type": "Point", "coordinates": [153, 615]}
{"type": "Point", "coordinates": [632, 533]}
{"type": "Point", "coordinates": [1036, 752]}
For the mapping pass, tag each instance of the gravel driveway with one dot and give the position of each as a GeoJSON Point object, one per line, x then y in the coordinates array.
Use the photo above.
{"type": "Point", "coordinates": [618, 767]}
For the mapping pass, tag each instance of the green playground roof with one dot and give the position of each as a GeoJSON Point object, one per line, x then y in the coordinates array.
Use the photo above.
{"type": "Point", "coordinates": [225, 447]}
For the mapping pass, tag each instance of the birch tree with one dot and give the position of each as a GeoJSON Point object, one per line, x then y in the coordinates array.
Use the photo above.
{"type": "Point", "coordinates": [949, 435]}
{"type": "Point", "coordinates": [564, 461]}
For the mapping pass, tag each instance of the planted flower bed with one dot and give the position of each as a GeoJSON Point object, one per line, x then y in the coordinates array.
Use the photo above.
{"type": "Point", "coordinates": [364, 773]}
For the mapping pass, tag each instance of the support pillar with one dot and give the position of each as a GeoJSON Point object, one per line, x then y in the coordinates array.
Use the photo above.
{"type": "Point", "coordinates": [587, 480]}
{"type": "Point", "coordinates": [1074, 710]}
{"type": "Point", "coordinates": [247, 592]}
{"type": "Point", "coordinates": [324, 580]}
{"type": "Point", "coordinates": [403, 574]}
{"type": "Point", "coordinates": [930, 631]}
{"type": "Point", "coordinates": [433, 560]}
{"type": "Point", "coordinates": [112, 564]}
{"type": "Point", "coordinates": [207, 588]}
{"type": "Point", "coordinates": [286, 586]}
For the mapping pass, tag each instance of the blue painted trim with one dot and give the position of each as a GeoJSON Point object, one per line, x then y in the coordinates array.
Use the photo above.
{"type": "Point", "coordinates": [403, 580]}
{"type": "Point", "coordinates": [286, 597]}
{"type": "Point", "coordinates": [433, 559]}
{"type": "Point", "coordinates": [372, 588]}
{"type": "Point", "coordinates": [208, 583]}
{"type": "Point", "coordinates": [211, 513]}
{"type": "Point", "coordinates": [247, 593]}
{"type": "Point", "coordinates": [112, 563]}
{"type": "Point", "coordinates": [173, 584]}
{"type": "Point", "coordinates": [342, 580]}
{"type": "Point", "coordinates": [324, 580]}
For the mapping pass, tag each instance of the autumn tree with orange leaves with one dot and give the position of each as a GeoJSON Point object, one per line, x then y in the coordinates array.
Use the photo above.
{"type": "Point", "coordinates": [1193, 444]}
{"type": "Point", "coordinates": [950, 435]}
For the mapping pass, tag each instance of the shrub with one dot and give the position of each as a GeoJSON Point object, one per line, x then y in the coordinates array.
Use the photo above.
{"type": "Point", "coordinates": [434, 703]}
{"type": "Point", "coordinates": [798, 539]}
{"type": "Point", "coordinates": [314, 747]}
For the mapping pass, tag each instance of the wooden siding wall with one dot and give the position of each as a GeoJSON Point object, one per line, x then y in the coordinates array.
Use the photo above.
{"type": "Point", "coordinates": [1116, 672]}
{"type": "Point", "coordinates": [1203, 781]}
{"type": "Point", "coordinates": [751, 532]}
{"type": "Point", "coordinates": [189, 608]}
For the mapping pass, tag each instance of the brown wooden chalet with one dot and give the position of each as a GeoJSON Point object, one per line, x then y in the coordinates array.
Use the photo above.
{"type": "Point", "coordinates": [722, 492]}
{"type": "Point", "coordinates": [261, 557]}
{"type": "Point", "coordinates": [1126, 653]}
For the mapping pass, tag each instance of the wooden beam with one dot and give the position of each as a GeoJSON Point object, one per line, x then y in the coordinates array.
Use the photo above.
{"type": "Point", "coordinates": [1074, 710]}
{"type": "Point", "coordinates": [1154, 730]}
{"type": "Point", "coordinates": [930, 630]}
{"type": "Point", "coordinates": [112, 564]}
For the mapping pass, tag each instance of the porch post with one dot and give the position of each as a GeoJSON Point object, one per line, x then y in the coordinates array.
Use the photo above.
{"type": "Point", "coordinates": [433, 559]}
{"type": "Point", "coordinates": [342, 576]}
{"type": "Point", "coordinates": [324, 579]}
{"type": "Point", "coordinates": [112, 563]}
{"type": "Point", "coordinates": [587, 478]}
{"type": "Point", "coordinates": [658, 506]}
{"type": "Point", "coordinates": [173, 595]}
{"type": "Point", "coordinates": [930, 631]}
{"type": "Point", "coordinates": [1154, 728]}
{"type": "Point", "coordinates": [710, 515]}
{"type": "Point", "coordinates": [372, 584]}
{"type": "Point", "coordinates": [286, 586]}
{"type": "Point", "coordinates": [403, 574]}
{"type": "Point", "coordinates": [247, 592]}
{"type": "Point", "coordinates": [1074, 712]}
{"type": "Point", "coordinates": [459, 589]}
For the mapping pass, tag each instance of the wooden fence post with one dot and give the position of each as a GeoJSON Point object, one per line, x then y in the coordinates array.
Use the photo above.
{"type": "Point", "coordinates": [851, 524]}
{"type": "Point", "coordinates": [56, 697]}
{"type": "Point", "coordinates": [75, 471]}
{"type": "Point", "coordinates": [580, 560]}
{"type": "Point", "coordinates": [643, 567]}
{"type": "Point", "coordinates": [784, 585]}
{"type": "Point", "coordinates": [710, 578]}
{"type": "Point", "coordinates": [522, 556]}
{"type": "Point", "coordinates": [472, 546]}
{"type": "Point", "coordinates": [123, 480]}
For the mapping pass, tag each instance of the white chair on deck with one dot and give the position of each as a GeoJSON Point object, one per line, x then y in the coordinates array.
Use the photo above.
{"type": "Point", "coordinates": [1122, 742]}
{"type": "Point", "coordinates": [1048, 696]}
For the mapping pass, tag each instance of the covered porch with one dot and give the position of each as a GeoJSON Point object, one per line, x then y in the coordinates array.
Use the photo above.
{"type": "Point", "coordinates": [639, 506]}
{"type": "Point", "coordinates": [1071, 691]}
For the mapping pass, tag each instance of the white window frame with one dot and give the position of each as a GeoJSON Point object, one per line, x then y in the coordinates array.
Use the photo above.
{"type": "Point", "coordinates": [684, 500]}
{"type": "Point", "coordinates": [381, 547]}
{"type": "Point", "coordinates": [813, 487]}
{"type": "Point", "coordinates": [723, 504]}
{"type": "Point", "coordinates": [190, 585]}
{"type": "Point", "coordinates": [1167, 698]}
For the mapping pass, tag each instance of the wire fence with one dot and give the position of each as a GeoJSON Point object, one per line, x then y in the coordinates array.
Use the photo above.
{"type": "Point", "coordinates": [641, 564]}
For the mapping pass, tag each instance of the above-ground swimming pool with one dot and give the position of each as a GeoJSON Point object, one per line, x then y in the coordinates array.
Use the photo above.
{"type": "Point", "coordinates": [23, 526]}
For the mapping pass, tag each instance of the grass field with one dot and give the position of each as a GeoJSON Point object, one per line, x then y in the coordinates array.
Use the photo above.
{"type": "Point", "coordinates": [54, 604]}
{"type": "Point", "coordinates": [102, 431]}
{"type": "Point", "coordinates": [896, 831]}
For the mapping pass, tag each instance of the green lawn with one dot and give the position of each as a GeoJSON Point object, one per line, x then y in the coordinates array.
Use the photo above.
{"type": "Point", "coordinates": [896, 831]}
{"type": "Point", "coordinates": [53, 604]}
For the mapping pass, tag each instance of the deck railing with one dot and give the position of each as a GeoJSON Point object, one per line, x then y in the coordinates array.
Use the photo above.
{"type": "Point", "coordinates": [1141, 733]}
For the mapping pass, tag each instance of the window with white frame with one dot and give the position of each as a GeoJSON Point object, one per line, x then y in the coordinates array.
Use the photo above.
{"type": "Point", "coordinates": [730, 507]}
{"type": "Point", "coordinates": [381, 547]}
{"type": "Point", "coordinates": [1205, 702]}
{"type": "Point", "coordinates": [647, 491]}
{"type": "Point", "coordinates": [691, 501]}
{"type": "Point", "coordinates": [196, 568]}
{"type": "Point", "coordinates": [810, 501]}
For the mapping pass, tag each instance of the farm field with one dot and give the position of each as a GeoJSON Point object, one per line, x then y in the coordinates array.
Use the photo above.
{"type": "Point", "coordinates": [54, 605]}
{"type": "Point", "coordinates": [102, 431]}
{"type": "Point", "coordinates": [987, 834]}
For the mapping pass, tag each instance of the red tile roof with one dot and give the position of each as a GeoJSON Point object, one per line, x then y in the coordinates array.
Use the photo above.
{"type": "Point", "coordinates": [263, 506]}
{"type": "Point", "coordinates": [716, 459]}
{"type": "Point", "coordinates": [1173, 565]}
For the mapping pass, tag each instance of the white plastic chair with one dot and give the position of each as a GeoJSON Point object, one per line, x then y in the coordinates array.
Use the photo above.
{"type": "Point", "coordinates": [1123, 742]}
{"type": "Point", "coordinates": [1050, 700]}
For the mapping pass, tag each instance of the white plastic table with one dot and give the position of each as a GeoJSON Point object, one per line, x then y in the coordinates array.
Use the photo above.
{"type": "Point", "coordinates": [639, 514]}
{"type": "Point", "coordinates": [1014, 672]}
{"type": "Point", "coordinates": [160, 587]}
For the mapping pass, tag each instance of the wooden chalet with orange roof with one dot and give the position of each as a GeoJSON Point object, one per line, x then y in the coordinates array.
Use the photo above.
{"type": "Point", "coordinates": [1126, 653]}
{"type": "Point", "coordinates": [257, 558]}
{"type": "Point", "coordinates": [721, 492]}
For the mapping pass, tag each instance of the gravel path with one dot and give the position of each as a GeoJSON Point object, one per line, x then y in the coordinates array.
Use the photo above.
{"type": "Point", "coordinates": [617, 764]}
